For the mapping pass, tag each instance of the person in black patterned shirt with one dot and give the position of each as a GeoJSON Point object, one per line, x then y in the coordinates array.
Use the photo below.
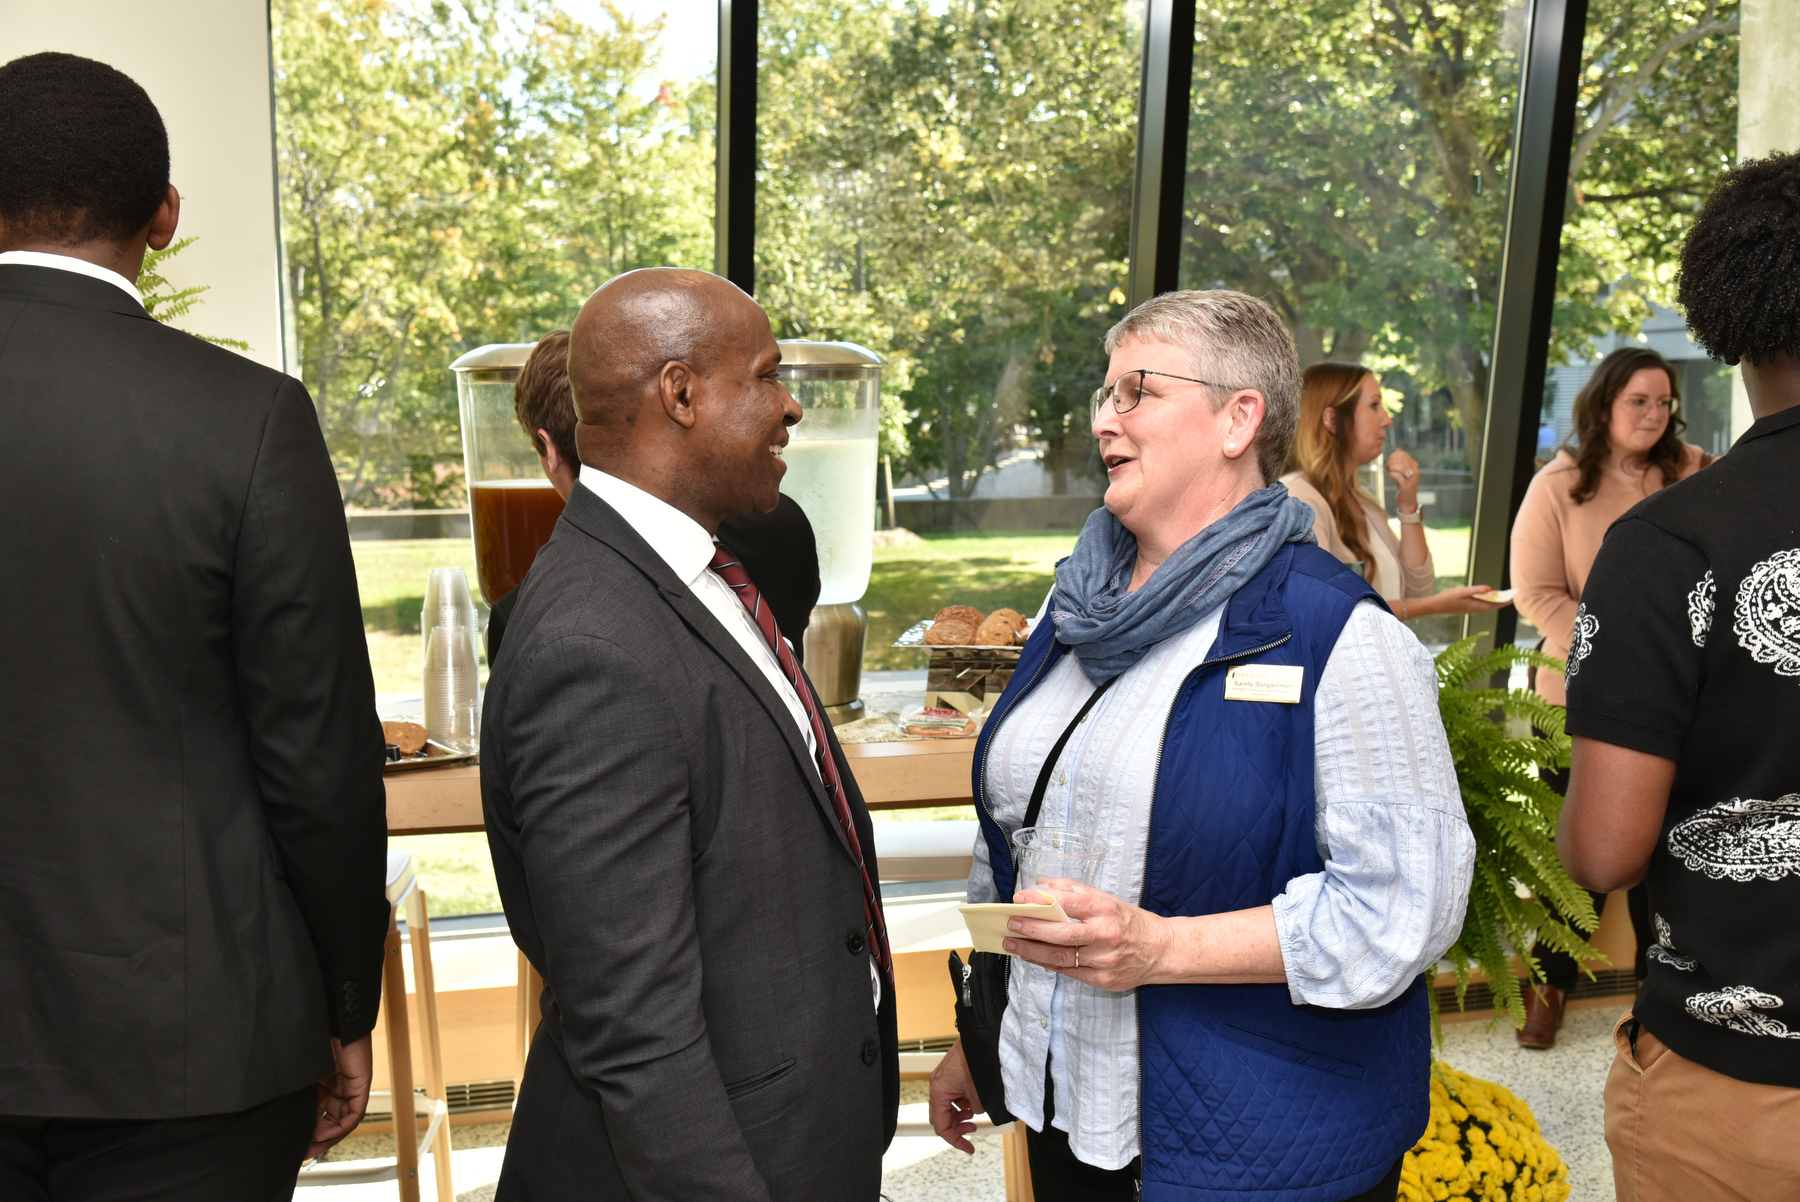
{"type": "Point", "coordinates": [1684, 703]}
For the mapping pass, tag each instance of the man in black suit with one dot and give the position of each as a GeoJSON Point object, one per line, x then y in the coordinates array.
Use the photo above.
{"type": "Point", "coordinates": [192, 864]}
{"type": "Point", "coordinates": [777, 547]}
{"type": "Point", "coordinates": [680, 846]}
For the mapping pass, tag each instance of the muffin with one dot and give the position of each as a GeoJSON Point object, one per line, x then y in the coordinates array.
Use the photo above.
{"type": "Point", "coordinates": [995, 631]}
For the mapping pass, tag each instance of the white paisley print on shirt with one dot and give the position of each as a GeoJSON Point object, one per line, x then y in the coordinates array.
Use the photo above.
{"type": "Point", "coordinates": [1700, 608]}
{"type": "Point", "coordinates": [1767, 618]}
{"type": "Point", "coordinates": [1581, 640]}
{"type": "Point", "coordinates": [1742, 839]}
{"type": "Point", "coordinates": [1663, 949]}
{"type": "Point", "coordinates": [1741, 1008]}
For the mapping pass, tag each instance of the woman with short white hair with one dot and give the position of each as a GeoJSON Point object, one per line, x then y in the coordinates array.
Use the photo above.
{"type": "Point", "coordinates": [1241, 1007]}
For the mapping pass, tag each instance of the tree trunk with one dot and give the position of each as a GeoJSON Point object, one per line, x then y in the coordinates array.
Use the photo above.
{"type": "Point", "coordinates": [1466, 377]}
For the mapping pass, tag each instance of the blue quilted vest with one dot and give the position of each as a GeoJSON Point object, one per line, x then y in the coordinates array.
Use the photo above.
{"type": "Point", "coordinates": [1243, 1092]}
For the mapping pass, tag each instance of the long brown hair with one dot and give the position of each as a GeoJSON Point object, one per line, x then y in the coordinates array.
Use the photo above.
{"type": "Point", "coordinates": [1320, 453]}
{"type": "Point", "coordinates": [1593, 415]}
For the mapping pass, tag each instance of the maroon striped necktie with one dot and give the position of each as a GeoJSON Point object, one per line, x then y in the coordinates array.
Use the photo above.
{"type": "Point", "coordinates": [732, 572]}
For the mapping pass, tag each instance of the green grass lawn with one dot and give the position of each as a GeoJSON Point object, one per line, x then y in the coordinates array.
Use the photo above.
{"type": "Point", "coordinates": [1014, 569]}
{"type": "Point", "coordinates": [908, 583]}
{"type": "Point", "coordinates": [391, 576]}
{"type": "Point", "coordinates": [457, 871]}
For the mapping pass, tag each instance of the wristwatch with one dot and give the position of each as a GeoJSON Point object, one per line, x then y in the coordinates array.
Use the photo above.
{"type": "Point", "coordinates": [1414, 518]}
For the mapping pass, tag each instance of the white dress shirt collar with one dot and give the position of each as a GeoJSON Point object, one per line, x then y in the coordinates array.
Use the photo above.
{"type": "Point", "coordinates": [682, 542]}
{"type": "Point", "coordinates": [37, 258]}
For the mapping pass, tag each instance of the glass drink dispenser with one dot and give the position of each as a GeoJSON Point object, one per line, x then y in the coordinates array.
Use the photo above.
{"type": "Point", "coordinates": [831, 473]}
{"type": "Point", "coordinates": [512, 506]}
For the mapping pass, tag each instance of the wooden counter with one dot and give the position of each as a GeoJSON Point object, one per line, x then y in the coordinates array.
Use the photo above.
{"type": "Point", "coordinates": [893, 776]}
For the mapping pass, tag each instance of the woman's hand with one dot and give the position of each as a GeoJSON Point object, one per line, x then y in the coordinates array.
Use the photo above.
{"type": "Point", "coordinates": [954, 1102]}
{"type": "Point", "coordinates": [1403, 469]}
{"type": "Point", "coordinates": [1114, 945]}
{"type": "Point", "coordinates": [1460, 600]}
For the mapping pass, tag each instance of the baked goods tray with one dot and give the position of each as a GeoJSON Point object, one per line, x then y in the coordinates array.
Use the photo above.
{"type": "Point", "coordinates": [436, 755]}
{"type": "Point", "coordinates": [914, 636]}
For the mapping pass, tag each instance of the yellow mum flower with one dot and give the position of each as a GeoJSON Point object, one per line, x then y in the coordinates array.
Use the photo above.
{"type": "Point", "coordinates": [1482, 1141]}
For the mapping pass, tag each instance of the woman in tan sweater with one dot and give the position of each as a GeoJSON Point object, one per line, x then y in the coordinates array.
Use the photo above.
{"type": "Point", "coordinates": [1343, 426]}
{"type": "Point", "coordinates": [1628, 445]}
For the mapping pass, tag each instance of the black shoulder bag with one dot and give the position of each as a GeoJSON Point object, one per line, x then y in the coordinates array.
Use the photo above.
{"type": "Point", "coordinates": [981, 983]}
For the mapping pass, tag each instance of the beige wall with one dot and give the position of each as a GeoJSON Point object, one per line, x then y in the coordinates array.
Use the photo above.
{"type": "Point", "coordinates": [1768, 107]}
{"type": "Point", "coordinates": [206, 65]}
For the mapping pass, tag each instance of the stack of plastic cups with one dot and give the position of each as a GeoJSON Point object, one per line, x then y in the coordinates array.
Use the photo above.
{"type": "Point", "coordinates": [452, 683]}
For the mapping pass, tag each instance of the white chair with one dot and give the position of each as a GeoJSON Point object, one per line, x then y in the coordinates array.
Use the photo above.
{"type": "Point", "coordinates": [403, 890]}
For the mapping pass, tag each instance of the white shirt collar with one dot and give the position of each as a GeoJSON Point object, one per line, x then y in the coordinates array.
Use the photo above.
{"type": "Point", "coordinates": [682, 542]}
{"type": "Point", "coordinates": [37, 258]}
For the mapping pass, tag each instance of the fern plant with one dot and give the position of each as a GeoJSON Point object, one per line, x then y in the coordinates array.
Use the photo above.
{"type": "Point", "coordinates": [1520, 892]}
{"type": "Point", "coordinates": [165, 302]}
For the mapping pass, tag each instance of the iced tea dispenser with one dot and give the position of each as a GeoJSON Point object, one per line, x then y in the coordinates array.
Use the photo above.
{"type": "Point", "coordinates": [831, 473]}
{"type": "Point", "coordinates": [512, 507]}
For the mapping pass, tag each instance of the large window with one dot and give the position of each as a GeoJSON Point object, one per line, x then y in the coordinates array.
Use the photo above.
{"type": "Point", "coordinates": [952, 181]}
{"type": "Point", "coordinates": [456, 174]}
{"type": "Point", "coordinates": [1657, 123]}
{"type": "Point", "coordinates": [949, 183]}
{"type": "Point", "coordinates": [461, 173]}
{"type": "Point", "coordinates": [1348, 161]}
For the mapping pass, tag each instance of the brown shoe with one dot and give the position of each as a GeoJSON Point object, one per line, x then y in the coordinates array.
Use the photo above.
{"type": "Point", "coordinates": [1543, 1016]}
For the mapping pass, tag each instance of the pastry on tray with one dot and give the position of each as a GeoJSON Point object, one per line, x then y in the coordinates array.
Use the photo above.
{"type": "Point", "coordinates": [960, 613]}
{"type": "Point", "coordinates": [950, 632]}
{"type": "Point", "coordinates": [409, 737]}
{"type": "Point", "coordinates": [1002, 628]}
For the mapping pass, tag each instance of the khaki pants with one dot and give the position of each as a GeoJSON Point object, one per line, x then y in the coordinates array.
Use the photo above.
{"type": "Point", "coordinates": [1683, 1133]}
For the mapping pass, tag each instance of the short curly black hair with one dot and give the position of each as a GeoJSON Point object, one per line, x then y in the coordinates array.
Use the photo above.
{"type": "Point", "coordinates": [1740, 266]}
{"type": "Point", "coordinates": [83, 152]}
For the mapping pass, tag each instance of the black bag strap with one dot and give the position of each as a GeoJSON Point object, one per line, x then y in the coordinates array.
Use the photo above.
{"type": "Point", "coordinates": [1043, 780]}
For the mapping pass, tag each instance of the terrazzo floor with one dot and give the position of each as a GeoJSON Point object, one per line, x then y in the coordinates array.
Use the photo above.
{"type": "Point", "coordinates": [1562, 1086]}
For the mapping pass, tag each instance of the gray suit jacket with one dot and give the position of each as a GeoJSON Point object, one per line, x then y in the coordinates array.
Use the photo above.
{"type": "Point", "coordinates": [670, 863]}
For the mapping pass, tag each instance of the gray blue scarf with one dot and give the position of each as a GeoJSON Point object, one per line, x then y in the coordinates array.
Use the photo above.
{"type": "Point", "coordinates": [1110, 629]}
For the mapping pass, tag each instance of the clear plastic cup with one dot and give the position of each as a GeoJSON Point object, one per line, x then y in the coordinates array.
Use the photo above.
{"type": "Point", "coordinates": [1045, 853]}
{"type": "Point", "coordinates": [447, 603]}
{"type": "Point", "coordinates": [452, 688]}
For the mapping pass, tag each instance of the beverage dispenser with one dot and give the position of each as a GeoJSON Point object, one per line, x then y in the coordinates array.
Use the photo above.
{"type": "Point", "coordinates": [512, 506]}
{"type": "Point", "coordinates": [831, 474]}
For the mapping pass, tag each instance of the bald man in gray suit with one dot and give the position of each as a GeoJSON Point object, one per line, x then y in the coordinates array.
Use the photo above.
{"type": "Point", "coordinates": [681, 848]}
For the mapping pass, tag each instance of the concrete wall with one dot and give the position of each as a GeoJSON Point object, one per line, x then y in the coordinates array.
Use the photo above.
{"type": "Point", "coordinates": [1768, 108]}
{"type": "Point", "coordinates": [995, 513]}
{"type": "Point", "coordinates": [375, 526]}
{"type": "Point", "coordinates": [206, 65]}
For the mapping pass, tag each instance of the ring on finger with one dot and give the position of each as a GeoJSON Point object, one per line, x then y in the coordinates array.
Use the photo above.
{"type": "Point", "coordinates": [1077, 957]}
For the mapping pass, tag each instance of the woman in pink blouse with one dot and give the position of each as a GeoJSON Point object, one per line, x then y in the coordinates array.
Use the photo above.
{"type": "Point", "coordinates": [1628, 445]}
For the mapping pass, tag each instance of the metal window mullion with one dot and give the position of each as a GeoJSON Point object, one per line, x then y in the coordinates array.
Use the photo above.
{"type": "Point", "coordinates": [734, 221]}
{"type": "Point", "coordinates": [1536, 194]}
{"type": "Point", "coordinates": [1161, 176]}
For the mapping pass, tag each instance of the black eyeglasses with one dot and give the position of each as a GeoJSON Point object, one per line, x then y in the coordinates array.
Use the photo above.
{"type": "Point", "coordinates": [1126, 391]}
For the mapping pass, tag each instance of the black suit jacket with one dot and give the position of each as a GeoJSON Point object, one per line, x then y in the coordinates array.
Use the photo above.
{"type": "Point", "coordinates": [671, 864]}
{"type": "Point", "coordinates": [191, 809]}
{"type": "Point", "coordinates": [779, 552]}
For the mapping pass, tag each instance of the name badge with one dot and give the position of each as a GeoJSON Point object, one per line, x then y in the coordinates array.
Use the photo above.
{"type": "Point", "coordinates": [1264, 682]}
